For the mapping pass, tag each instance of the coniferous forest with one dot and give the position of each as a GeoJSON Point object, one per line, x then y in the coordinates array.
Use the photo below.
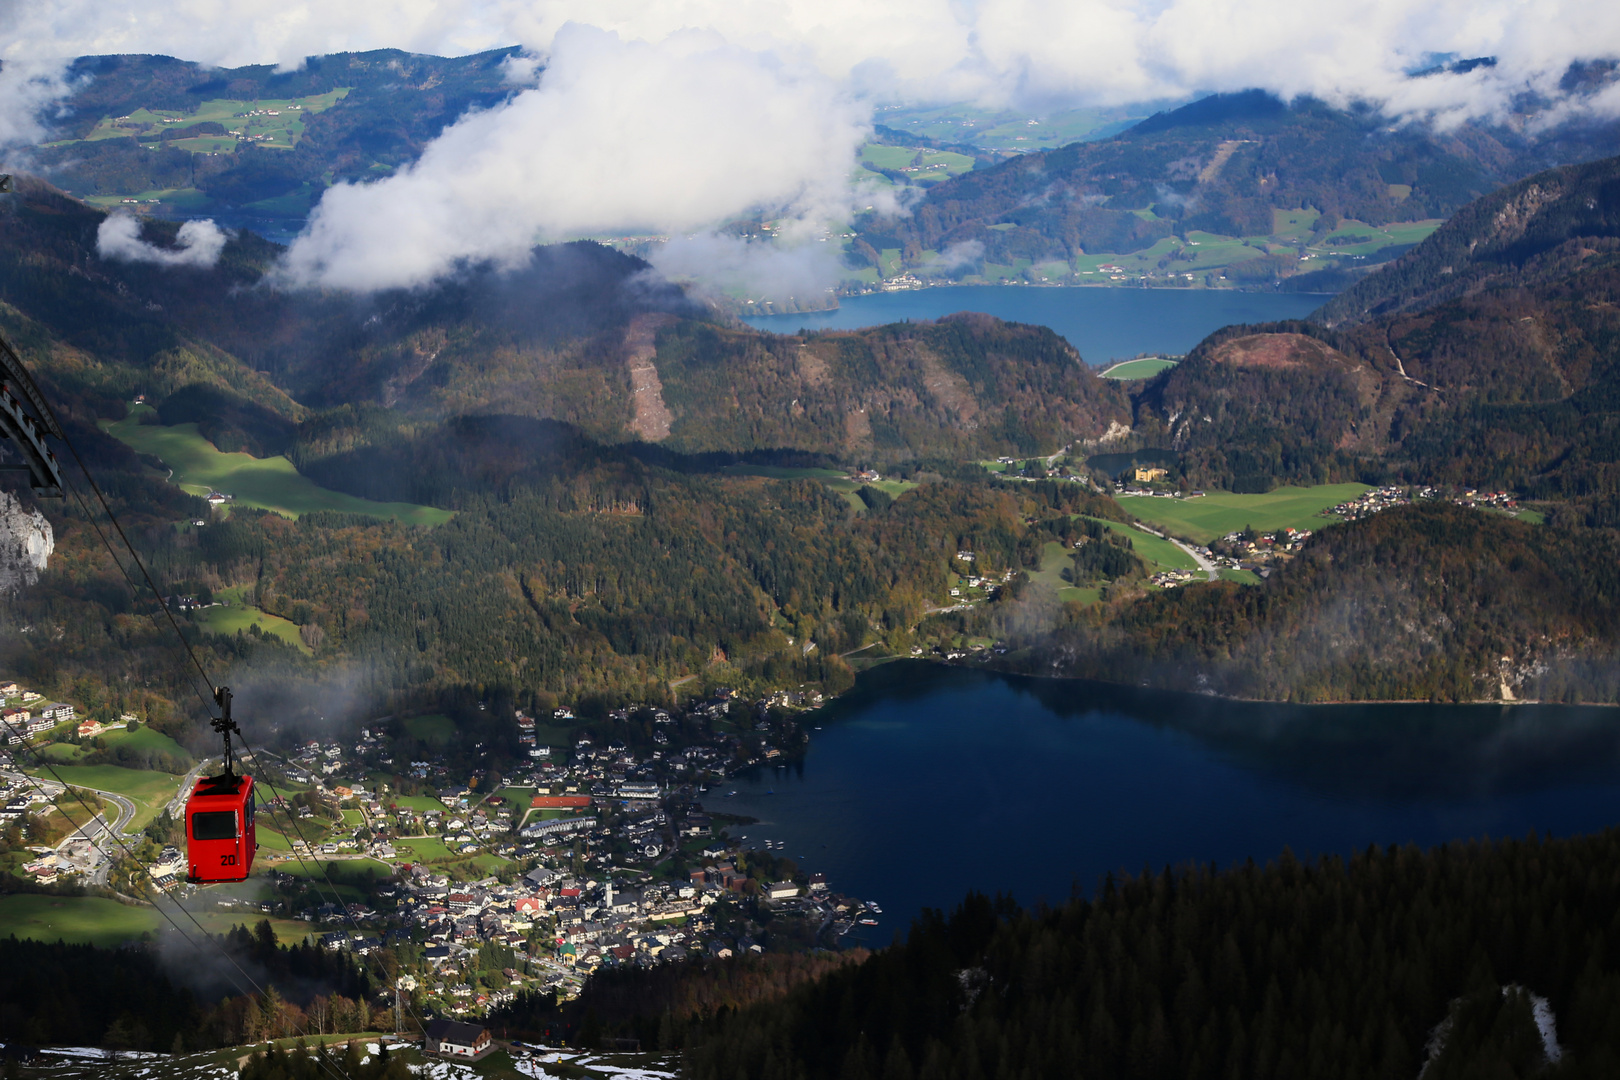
{"type": "Point", "coordinates": [1392, 962]}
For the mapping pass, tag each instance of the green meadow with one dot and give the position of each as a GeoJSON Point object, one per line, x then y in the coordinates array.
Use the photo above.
{"type": "Point", "coordinates": [1145, 368]}
{"type": "Point", "coordinates": [142, 738]}
{"type": "Point", "coordinates": [277, 124]}
{"type": "Point", "coordinates": [237, 617]}
{"type": "Point", "coordinates": [149, 790]}
{"type": "Point", "coordinates": [265, 483]}
{"type": "Point", "coordinates": [1157, 553]}
{"type": "Point", "coordinates": [918, 164]}
{"type": "Point", "coordinates": [83, 920]}
{"type": "Point", "coordinates": [1220, 512]}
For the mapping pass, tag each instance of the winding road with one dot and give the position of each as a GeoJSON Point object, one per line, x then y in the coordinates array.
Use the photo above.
{"type": "Point", "coordinates": [1204, 564]}
{"type": "Point", "coordinates": [106, 841]}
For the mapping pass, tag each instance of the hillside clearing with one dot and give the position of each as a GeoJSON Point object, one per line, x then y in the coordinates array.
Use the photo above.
{"type": "Point", "coordinates": [265, 483]}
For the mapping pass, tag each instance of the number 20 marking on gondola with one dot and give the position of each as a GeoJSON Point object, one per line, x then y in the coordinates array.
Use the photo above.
{"type": "Point", "coordinates": [227, 860]}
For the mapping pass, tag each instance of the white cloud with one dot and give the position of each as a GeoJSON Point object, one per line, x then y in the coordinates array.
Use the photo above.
{"type": "Point", "coordinates": [755, 270]}
{"type": "Point", "coordinates": [198, 243]}
{"type": "Point", "coordinates": [619, 136]}
{"type": "Point", "coordinates": [673, 114]}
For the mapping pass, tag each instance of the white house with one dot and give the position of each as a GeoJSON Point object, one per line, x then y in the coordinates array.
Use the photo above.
{"type": "Point", "coordinates": [454, 1039]}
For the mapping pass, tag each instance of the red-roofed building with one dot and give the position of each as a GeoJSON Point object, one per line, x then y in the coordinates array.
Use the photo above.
{"type": "Point", "coordinates": [560, 802]}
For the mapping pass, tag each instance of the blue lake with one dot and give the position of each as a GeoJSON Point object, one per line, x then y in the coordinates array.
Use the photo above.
{"type": "Point", "coordinates": [1104, 324]}
{"type": "Point", "coordinates": [926, 781]}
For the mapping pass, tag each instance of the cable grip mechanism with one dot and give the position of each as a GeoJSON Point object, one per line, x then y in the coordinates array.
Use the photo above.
{"type": "Point", "coordinates": [224, 723]}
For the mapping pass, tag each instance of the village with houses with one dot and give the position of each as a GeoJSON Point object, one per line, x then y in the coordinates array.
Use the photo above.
{"type": "Point", "coordinates": [591, 856]}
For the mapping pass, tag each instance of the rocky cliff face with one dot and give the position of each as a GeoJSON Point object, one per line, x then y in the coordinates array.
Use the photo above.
{"type": "Point", "coordinates": [26, 543]}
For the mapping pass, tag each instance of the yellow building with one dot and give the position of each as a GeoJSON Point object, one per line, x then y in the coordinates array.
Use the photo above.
{"type": "Point", "coordinates": [1146, 474]}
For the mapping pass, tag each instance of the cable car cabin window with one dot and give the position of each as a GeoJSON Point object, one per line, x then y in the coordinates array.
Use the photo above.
{"type": "Point", "coordinates": [214, 825]}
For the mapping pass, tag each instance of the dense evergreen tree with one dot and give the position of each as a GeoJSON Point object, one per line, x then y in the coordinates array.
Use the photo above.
{"type": "Point", "coordinates": [1337, 968]}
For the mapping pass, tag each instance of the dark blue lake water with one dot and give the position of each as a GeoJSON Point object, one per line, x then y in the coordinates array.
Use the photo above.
{"type": "Point", "coordinates": [1104, 324]}
{"type": "Point", "coordinates": [927, 781]}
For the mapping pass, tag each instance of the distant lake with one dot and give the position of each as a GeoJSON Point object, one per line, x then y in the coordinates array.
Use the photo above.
{"type": "Point", "coordinates": [1104, 324]}
{"type": "Point", "coordinates": [927, 781]}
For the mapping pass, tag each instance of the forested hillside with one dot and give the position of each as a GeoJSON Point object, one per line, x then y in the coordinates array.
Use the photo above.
{"type": "Point", "coordinates": [1222, 165]}
{"type": "Point", "coordinates": [393, 103]}
{"type": "Point", "coordinates": [1526, 234]}
{"type": "Point", "coordinates": [1328, 969]}
{"type": "Point", "coordinates": [1428, 602]}
{"type": "Point", "coordinates": [555, 339]}
{"type": "Point", "coordinates": [1492, 365]}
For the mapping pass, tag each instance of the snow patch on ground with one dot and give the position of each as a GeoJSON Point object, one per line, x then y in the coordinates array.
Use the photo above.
{"type": "Point", "coordinates": [92, 1052]}
{"type": "Point", "coordinates": [1542, 1012]}
{"type": "Point", "coordinates": [445, 1070]}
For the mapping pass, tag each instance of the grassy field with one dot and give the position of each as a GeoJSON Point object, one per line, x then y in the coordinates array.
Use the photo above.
{"type": "Point", "coordinates": [150, 791]}
{"type": "Point", "coordinates": [142, 738]}
{"type": "Point", "coordinates": [271, 838]}
{"type": "Point", "coordinates": [918, 165]}
{"type": "Point", "coordinates": [1158, 554]}
{"type": "Point", "coordinates": [420, 803]}
{"type": "Point", "coordinates": [88, 920]}
{"type": "Point", "coordinates": [220, 920]}
{"type": "Point", "coordinates": [238, 617]}
{"type": "Point", "coordinates": [426, 850]}
{"type": "Point", "coordinates": [277, 123]}
{"type": "Point", "coordinates": [1221, 512]}
{"type": "Point", "coordinates": [266, 483]}
{"type": "Point", "coordinates": [1138, 369]}
{"type": "Point", "coordinates": [434, 728]}
{"type": "Point", "coordinates": [183, 199]}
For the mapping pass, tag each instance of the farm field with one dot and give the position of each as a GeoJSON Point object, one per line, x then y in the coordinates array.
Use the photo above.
{"type": "Point", "coordinates": [1145, 368]}
{"type": "Point", "coordinates": [419, 803]}
{"type": "Point", "coordinates": [236, 619]}
{"type": "Point", "coordinates": [91, 920]}
{"type": "Point", "coordinates": [919, 164]}
{"type": "Point", "coordinates": [274, 123]}
{"type": "Point", "coordinates": [424, 850]}
{"type": "Point", "coordinates": [183, 199]}
{"type": "Point", "coordinates": [1221, 512]}
{"type": "Point", "coordinates": [149, 790]}
{"type": "Point", "coordinates": [265, 483]}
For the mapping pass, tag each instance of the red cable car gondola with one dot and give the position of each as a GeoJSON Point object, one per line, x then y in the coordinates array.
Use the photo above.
{"type": "Point", "coordinates": [220, 838]}
{"type": "Point", "coordinates": [220, 835]}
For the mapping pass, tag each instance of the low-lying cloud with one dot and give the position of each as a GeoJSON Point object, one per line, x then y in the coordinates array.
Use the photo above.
{"type": "Point", "coordinates": [619, 136]}
{"type": "Point", "coordinates": [753, 270]}
{"type": "Point", "coordinates": [668, 118]}
{"type": "Point", "coordinates": [198, 243]}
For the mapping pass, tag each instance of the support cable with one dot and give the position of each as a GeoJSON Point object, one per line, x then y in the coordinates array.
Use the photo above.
{"type": "Point", "coordinates": [216, 696]}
